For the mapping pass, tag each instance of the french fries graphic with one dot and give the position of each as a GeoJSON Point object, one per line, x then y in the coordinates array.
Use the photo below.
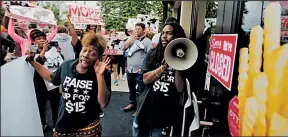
{"type": "Point", "coordinates": [263, 96]}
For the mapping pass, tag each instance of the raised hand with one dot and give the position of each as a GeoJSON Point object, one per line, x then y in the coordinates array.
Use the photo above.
{"type": "Point", "coordinates": [9, 56]}
{"type": "Point", "coordinates": [45, 45]}
{"type": "Point", "coordinates": [100, 66]}
{"type": "Point", "coordinates": [30, 55]}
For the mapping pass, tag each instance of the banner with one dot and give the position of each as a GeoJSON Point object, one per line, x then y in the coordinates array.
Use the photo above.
{"type": "Point", "coordinates": [284, 36]}
{"type": "Point", "coordinates": [37, 14]}
{"type": "Point", "coordinates": [80, 26]}
{"type": "Point", "coordinates": [114, 47]}
{"type": "Point", "coordinates": [151, 22]}
{"type": "Point", "coordinates": [130, 25]}
{"type": "Point", "coordinates": [19, 109]}
{"type": "Point", "coordinates": [233, 117]}
{"type": "Point", "coordinates": [284, 21]}
{"type": "Point", "coordinates": [222, 57]}
{"type": "Point", "coordinates": [80, 14]}
{"type": "Point", "coordinates": [54, 60]}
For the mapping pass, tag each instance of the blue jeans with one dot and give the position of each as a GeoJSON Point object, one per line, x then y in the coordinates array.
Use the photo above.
{"type": "Point", "coordinates": [132, 80]}
{"type": "Point", "coordinates": [136, 131]}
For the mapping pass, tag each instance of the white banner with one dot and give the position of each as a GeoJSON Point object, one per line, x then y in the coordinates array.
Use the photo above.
{"type": "Point", "coordinates": [130, 25]}
{"type": "Point", "coordinates": [19, 109]}
{"type": "Point", "coordinates": [80, 14]}
{"type": "Point", "coordinates": [151, 22]}
{"type": "Point", "coordinates": [37, 14]}
{"type": "Point", "coordinates": [54, 60]}
{"type": "Point", "coordinates": [80, 26]}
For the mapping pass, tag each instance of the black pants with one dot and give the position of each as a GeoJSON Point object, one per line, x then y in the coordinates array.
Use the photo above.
{"type": "Point", "coordinates": [54, 97]}
{"type": "Point", "coordinates": [121, 64]}
{"type": "Point", "coordinates": [133, 79]}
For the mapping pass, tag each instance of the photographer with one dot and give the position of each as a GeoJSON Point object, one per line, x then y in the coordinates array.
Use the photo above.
{"type": "Point", "coordinates": [39, 38]}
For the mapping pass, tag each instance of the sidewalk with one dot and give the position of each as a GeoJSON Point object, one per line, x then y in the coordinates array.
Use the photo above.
{"type": "Point", "coordinates": [122, 87]}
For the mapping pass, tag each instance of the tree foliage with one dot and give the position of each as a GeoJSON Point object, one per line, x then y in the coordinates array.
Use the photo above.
{"type": "Point", "coordinates": [211, 9]}
{"type": "Point", "coordinates": [117, 13]}
{"type": "Point", "coordinates": [54, 7]}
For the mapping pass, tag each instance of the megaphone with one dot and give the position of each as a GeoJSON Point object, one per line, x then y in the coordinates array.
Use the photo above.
{"type": "Point", "coordinates": [137, 45]}
{"type": "Point", "coordinates": [181, 54]}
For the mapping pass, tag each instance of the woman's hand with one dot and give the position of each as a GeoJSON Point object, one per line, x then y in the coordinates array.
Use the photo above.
{"type": "Point", "coordinates": [30, 55]}
{"type": "Point", "coordinates": [8, 13]}
{"type": "Point", "coordinates": [9, 56]}
{"type": "Point", "coordinates": [100, 66]}
{"type": "Point", "coordinates": [59, 49]}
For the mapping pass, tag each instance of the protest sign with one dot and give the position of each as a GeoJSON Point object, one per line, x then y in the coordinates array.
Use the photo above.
{"type": "Point", "coordinates": [80, 26]}
{"type": "Point", "coordinates": [151, 22]}
{"type": "Point", "coordinates": [80, 14]}
{"type": "Point", "coordinates": [284, 21]}
{"type": "Point", "coordinates": [233, 117]}
{"type": "Point", "coordinates": [19, 109]}
{"type": "Point", "coordinates": [115, 48]}
{"type": "Point", "coordinates": [64, 42]}
{"type": "Point", "coordinates": [222, 57]}
{"type": "Point", "coordinates": [53, 61]}
{"type": "Point", "coordinates": [284, 36]}
{"type": "Point", "coordinates": [130, 25]}
{"type": "Point", "coordinates": [36, 14]}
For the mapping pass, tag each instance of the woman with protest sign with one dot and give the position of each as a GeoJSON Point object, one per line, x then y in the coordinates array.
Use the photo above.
{"type": "Point", "coordinates": [24, 42]}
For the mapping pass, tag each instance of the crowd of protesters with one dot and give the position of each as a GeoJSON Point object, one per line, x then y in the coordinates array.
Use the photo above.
{"type": "Point", "coordinates": [85, 62]}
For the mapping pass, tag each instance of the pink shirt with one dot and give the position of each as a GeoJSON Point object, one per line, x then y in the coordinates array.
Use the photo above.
{"type": "Point", "coordinates": [22, 42]}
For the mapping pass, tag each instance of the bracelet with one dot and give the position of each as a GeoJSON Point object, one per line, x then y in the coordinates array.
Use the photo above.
{"type": "Point", "coordinates": [156, 73]}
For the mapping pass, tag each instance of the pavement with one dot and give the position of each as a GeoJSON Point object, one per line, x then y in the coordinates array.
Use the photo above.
{"type": "Point", "coordinates": [115, 122]}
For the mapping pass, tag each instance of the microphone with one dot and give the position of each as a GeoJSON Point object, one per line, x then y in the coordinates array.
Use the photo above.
{"type": "Point", "coordinates": [180, 53]}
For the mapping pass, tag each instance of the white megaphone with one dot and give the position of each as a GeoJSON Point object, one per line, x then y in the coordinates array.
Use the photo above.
{"type": "Point", "coordinates": [181, 54]}
{"type": "Point", "coordinates": [137, 45]}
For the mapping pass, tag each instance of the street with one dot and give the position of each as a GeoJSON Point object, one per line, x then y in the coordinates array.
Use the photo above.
{"type": "Point", "coordinates": [115, 122]}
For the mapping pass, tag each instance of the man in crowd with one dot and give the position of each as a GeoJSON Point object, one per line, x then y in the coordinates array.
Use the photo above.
{"type": "Point", "coordinates": [64, 41]}
{"type": "Point", "coordinates": [142, 45]}
{"type": "Point", "coordinates": [156, 37]}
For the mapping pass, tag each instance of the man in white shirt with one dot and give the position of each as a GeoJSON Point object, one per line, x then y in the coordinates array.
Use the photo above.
{"type": "Point", "coordinates": [64, 41]}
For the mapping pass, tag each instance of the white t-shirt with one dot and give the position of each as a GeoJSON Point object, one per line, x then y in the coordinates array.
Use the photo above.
{"type": "Point", "coordinates": [64, 41]}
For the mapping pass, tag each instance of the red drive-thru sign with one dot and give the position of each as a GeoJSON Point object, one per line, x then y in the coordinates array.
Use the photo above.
{"type": "Point", "coordinates": [233, 117]}
{"type": "Point", "coordinates": [221, 57]}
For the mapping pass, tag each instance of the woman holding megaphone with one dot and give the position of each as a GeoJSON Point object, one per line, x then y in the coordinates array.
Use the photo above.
{"type": "Point", "coordinates": [159, 105]}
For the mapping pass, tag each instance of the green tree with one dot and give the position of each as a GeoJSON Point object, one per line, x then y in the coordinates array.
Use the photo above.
{"type": "Point", "coordinates": [54, 7]}
{"type": "Point", "coordinates": [211, 9]}
{"type": "Point", "coordinates": [117, 13]}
